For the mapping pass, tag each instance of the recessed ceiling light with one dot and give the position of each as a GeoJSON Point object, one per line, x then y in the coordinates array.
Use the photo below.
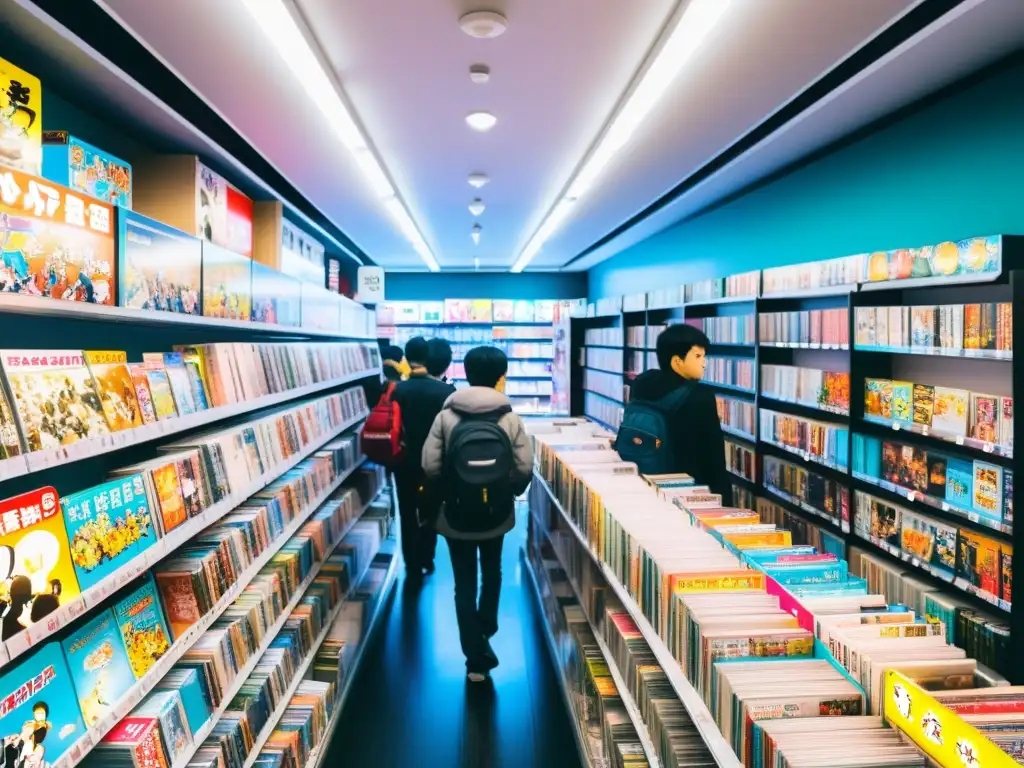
{"type": "Point", "coordinates": [479, 73]}
{"type": "Point", "coordinates": [483, 24]}
{"type": "Point", "coordinates": [478, 179]}
{"type": "Point", "coordinates": [477, 207]}
{"type": "Point", "coordinates": [481, 121]}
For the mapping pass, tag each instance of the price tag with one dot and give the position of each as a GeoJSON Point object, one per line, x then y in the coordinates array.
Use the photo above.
{"type": "Point", "coordinates": [911, 495]}
{"type": "Point", "coordinates": [895, 426]}
{"type": "Point", "coordinates": [915, 562]}
{"type": "Point", "coordinates": [973, 517]}
{"type": "Point", "coordinates": [988, 447]}
{"type": "Point", "coordinates": [945, 507]}
{"type": "Point", "coordinates": [959, 439]}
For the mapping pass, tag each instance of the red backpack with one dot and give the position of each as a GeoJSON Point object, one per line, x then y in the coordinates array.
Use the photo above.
{"type": "Point", "coordinates": [381, 441]}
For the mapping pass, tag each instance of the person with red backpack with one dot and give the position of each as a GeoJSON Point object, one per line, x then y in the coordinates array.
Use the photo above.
{"type": "Point", "coordinates": [479, 453]}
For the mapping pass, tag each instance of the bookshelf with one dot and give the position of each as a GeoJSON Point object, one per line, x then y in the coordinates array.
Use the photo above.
{"type": "Point", "coordinates": [819, 446]}
{"type": "Point", "coordinates": [533, 334]}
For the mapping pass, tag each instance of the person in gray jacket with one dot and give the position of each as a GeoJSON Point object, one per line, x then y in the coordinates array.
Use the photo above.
{"type": "Point", "coordinates": [480, 453]}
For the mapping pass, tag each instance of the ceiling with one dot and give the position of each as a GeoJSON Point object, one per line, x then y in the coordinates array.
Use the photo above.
{"type": "Point", "coordinates": [556, 77]}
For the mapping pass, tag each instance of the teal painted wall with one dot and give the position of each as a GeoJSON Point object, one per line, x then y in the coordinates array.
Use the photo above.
{"type": "Point", "coordinates": [953, 169]}
{"type": "Point", "coordinates": [435, 286]}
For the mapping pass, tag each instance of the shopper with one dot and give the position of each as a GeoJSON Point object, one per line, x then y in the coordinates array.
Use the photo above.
{"type": "Point", "coordinates": [479, 451]}
{"type": "Point", "coordinates": [439, 358]}
{"type": "Point", "coordinates": [393, 367]}
{"type": "Point", "coordinates": [420, 398]}
{"type": "Point", "coordinates": [694, 432]}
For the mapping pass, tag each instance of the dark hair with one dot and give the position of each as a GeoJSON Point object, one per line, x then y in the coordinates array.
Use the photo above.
{"type": "Point", "coordinates": [43, 706]}
{"type": "Point", "coordinates": [439, 356]}
{"type": "Point", "coordinates": [44, 605]}
{"type": "Point", "coordinates": [392, 352]}
{"type": "Point", "coordinates": [485, 366]}
{"type": "Point", "coordinates": [678, 340]}
{"type": "Point", "coordinates": [416, 350]}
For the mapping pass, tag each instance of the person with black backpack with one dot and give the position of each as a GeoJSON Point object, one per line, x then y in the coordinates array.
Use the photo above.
{"type": "Point", "coordinates": [671, 423]}
{"type": "Point", "coordinates": [480, 454]}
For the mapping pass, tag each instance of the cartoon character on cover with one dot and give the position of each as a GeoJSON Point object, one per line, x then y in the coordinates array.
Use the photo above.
{"type": "Point", "coordinates": [25, 749]}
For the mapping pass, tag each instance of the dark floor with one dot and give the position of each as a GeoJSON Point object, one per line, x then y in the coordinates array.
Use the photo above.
{"type": "Point", "coordinates": [411, 704]}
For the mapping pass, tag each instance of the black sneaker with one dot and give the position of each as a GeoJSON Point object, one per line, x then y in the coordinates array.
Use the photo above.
{"type": "Point", "coordinates": [489, 658]}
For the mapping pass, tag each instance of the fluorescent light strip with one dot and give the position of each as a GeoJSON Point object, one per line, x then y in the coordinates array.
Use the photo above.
{"type": "Point", "coordinates": [690, 31]}
{"type": "Point", "coordinates": [284, 34]}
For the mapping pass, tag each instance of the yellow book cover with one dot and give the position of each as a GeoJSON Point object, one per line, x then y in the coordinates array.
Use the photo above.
{"type": "Point", "coordinates": [35, 558]}
{"type": "Point", "coordinates": [719, 581]}
{"type": "Point", "coordinates": [21, 119]}
{"type": "Point", "coordinates": [116, 389]}
{"type": "Point", "coordinates": [754, 540]}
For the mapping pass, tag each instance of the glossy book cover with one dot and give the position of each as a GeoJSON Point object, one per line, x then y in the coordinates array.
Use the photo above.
{"type": "Point", "coordinates": [36, 572]}
{"type": "Point", "coordinates": [141, 621]}
{"type": "Point", "coordinates": [161, 267]}
{"type": "Point", "coordinates": [99, 667]}
{"type": "Point", "coordinates": [39, 717]}
{"type": "Point", "coordinates": [107, 525]}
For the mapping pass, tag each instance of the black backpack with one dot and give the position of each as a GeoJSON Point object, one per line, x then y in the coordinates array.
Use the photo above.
{"type": "Point", "coordinates": [644, 436]}
{"type": "Point", "coordinates": [478, 466]}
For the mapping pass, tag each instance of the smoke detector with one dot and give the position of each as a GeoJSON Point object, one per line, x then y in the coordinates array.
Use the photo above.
{"type": "Point", "coordinates": [483, 25]}
{"type": "Point", "coordinates": [477, 207]}
{"type": "Point", "coordinates": [478, 179]}
{"type": "Point", "coordinates": [479, 73]}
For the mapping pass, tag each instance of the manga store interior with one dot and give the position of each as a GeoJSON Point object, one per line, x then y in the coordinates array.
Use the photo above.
{"type": "Point", "coordinates": [268, 268]}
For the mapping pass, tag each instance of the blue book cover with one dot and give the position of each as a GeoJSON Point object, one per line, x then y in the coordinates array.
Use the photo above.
{"type": "Point", "coordinates": [186, 682]}
{"type": "Point", "coordinates": [960, 483]}
{"type": "Point", "coordinates": [143, 627]}
{"type": "Point", "coordinates": [99, 666]}
{"type": "Point", "coordinates": [39, 715]}
{"type": "Point", "coordinates": [772, 554]}
{"type": "Point", "coordinates": [167, 707]}
{"type": "Point", "coordinates": [825, 573]}
{"type": "Point", "coordinates": [107, 526]}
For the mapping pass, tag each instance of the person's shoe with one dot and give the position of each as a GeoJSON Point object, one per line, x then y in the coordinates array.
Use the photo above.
{"type": "Point", "coordinates": [489, 658]}
{"type": "Point", "coordinates": [477, 677]}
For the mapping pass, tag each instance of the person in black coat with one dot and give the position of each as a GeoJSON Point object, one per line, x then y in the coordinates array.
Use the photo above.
{"type": "Point", "coordinates": [696, 431]}
{"type": "Point", "coordinates": [421, 397]}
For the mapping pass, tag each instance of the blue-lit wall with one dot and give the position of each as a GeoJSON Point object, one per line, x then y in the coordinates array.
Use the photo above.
{"type": "Point", "coordinates": [951, 170]}
{"type": "Point", "coordinates": [436, 286]}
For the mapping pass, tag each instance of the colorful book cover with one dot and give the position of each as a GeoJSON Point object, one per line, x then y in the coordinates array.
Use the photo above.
{"type": "Point", "coordinates": [140, 736]}
{"type": "Point", "coordinates": [979, 561]}
{"type": "Point", "coordinates": [924, 404]}
{"type": "Point", "coordinates": [160, 388]}
{"type": "Point", "coordinates": [39, 717]}
{"type": "Point", "coordinates": [525, 311]}
{"type": "Point", "coordinates": [544, 311]}
{"type": "Point", "coordinates": [87, 169]}
{"type": "Point", "coordinates": [960, 483]}
{"type": "Point", "coordinates": [1006, 422]}
{"type": "Point", "coordinates": [21, 118]}
{"type": "Point", "coordinates": [988, 490]}
{"type": "Point", "coordinates": [457, 310]}
{"type": "Point", "coordinates": [107, 526]}
{"type": "Point", "coordinates": [885, 522]}
{"type": "Point", "coordinates": [115, 387]}
{"type": "Point", "coordinates": [902, 401]}
{"type": "Point", "coordinates": [99, 666]}
{"type": "Point", "coordinates": [167, 707]}
{"type": "Point", "coordinates": [989, 326]}
{"type": "Point", "coordinates": [167, 487]}
{"type": "Point", "coordinates": [930, 541]}
{"type": "Point", "coordinates": [181, 385]}
{"type": "Point", "coordinates": [197, 381]}
{"type": "Point", "coordinates": [55, 397]}
{"type": "Point", "coordinates": [36, 571]}
{"type": "Point", "coordinates": [878, 398]}
{"type": "Point", "coordinates": [1007, 495]}
{"type": "Point", "coordinates": [185, 681]}
{"type": "Point", "coordinates": [985, 417]}
{"type": "Point", "coordinates": [10, 438]}
{"type": "Point", "coordinates": [937, 470]}
{"type": "Point", "coordinates": [142, 625]}
{"type": "Point", "coordinates": [227, 283]}
{"type": "Point", "coordinates": [480, 311]}
{"type": "Point", "coordinates": [950, 412]}
{"type": "Point", "coordinates": [837, 390]}
{"type": "Point", "coordinates": [161, 267]}
{"type": "Point", "coordinates": [431, 312]}
{"type": "Point", "coordinates": [922, 327]}
{"type": "Point", "coordinates": [1006, 560]}
{"type": "Point", "coordinates": [54, 243]}
{"type": "Point", "coordinates": [142, 392]}
{"type": "Point", "coordinates": [972, 326]}
{"type": "Point", "coordinates": [503, 310]}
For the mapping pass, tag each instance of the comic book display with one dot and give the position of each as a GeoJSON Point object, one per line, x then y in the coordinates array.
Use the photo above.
{"type": "Point", "coordinates": [84, 168]}
{"type": "Point", "coordinates": [55, 242]}
{"type": "Point", "coordinates": [161, 267]}
{"type": "Point", "coordinates": [21, 119]}
{"type": "Point", "coordinates": [227, 283]}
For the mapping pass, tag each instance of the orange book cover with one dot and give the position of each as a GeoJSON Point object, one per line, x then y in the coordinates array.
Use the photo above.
{"type": "Point", "coordinates": [116, 389]}
{"type": "Point", "coordinates": [741, 579]}
{"type": "Point", "coordinates": [754, 540]}
{"type": "Point", "coordinates": [168, 493]}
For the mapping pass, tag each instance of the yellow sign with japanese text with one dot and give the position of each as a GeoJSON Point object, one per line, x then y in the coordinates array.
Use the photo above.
{"type": "Point", "coordinates": [21, 119]}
